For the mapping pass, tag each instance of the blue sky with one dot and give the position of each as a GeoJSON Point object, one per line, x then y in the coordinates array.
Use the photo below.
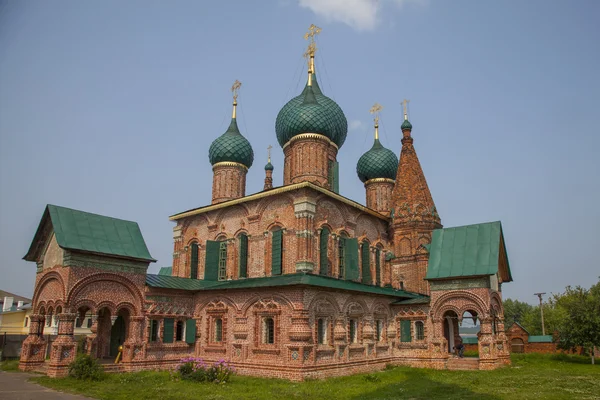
{"type": "Point", "coordinates": [110, 106]}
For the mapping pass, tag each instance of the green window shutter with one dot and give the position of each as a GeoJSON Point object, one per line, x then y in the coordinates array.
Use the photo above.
{"type": "Point", "coordinates": [378, 267]}
{"type": "Point", "coordinates": [336, 177]}
{"type": "Point", "coordinates": [276, 252]}
{"type": "Point", "coordinates": [351, 255]}
{"type": "Point", "coordinates": [405, 331]}
{"type": "Point", "coordinates": [194, 261]}
{"type": "Point", "coordinates": [365, 263]}
{"type": "Point", "coordinates": [190, 331]}
{"type": "Point", "coordinates": [243, 256]}
{"type": "Point", "coordinates": [222, 275]}
{"type": "Point", "coordinates": [323, 260]}
{"type": "Point", "coordinates": [168, 331]}
{"type": "Point", "coordinates": [211, 265]}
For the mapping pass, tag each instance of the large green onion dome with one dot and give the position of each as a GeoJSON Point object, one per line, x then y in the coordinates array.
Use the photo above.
{"type": "Point", "coordinates": [231, 146]}
{"type": "Point", "coordinates": [333, 111]}
{"type": "Point", "coordinates": [378, 162]}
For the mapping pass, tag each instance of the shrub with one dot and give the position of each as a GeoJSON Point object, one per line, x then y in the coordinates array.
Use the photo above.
{"type": "Point", "coordinates": [86, 367]}
{"type": "Point", "coordinates": [196, 370]}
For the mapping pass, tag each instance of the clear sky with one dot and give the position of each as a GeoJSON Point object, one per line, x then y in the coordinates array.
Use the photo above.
{"type": "Point", "coordinates": [110, 106]}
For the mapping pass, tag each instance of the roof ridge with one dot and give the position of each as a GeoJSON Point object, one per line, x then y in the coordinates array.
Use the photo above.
{"type": "Point", "coordinates": [91, 213]}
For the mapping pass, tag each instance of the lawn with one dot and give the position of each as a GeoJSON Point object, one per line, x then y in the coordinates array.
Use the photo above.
{"type": "Point", "coordinates": [531, 376]}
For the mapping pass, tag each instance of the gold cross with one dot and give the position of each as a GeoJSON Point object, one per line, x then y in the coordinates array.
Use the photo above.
{"type": "Point", "coordinates": [235, 88]}
{"type": "Point", "coordinates": [405, 106]}
{"type": "Point", "coordinates": [375, 110]}
{"type": "Point", "coordinates": [313, 30]}
{"type": "Point", "coordinates": [269, 152]}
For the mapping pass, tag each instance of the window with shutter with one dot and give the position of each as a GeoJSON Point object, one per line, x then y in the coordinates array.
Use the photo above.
{"type": "Point", "coordinates": [277, 252]}
{"type": "Point", "coordinates": [190, 331]}
{"type": "Point", "coordinates": [169, 324]}
{"type": "Point", "coordinates": [179, 331]}
{"type": "Point", "coordinates": [378, 266]}
{"type": "Point", "coordinates": [351, 264]}
{"type": "Point", "coordinates": [405, 335]}
{"type": "Point", "coordinates": [194, 261]}
{"type": "Point", "coordinates": [222, 261]}
{"type": "Point", "coordinates": [365, 263]}
{"type": "Point", "coordinates": [243, 256]}
{"type": "Point", "coordinates": [323, 260]}
{"type": "Point", "coordinates": [211, 266]}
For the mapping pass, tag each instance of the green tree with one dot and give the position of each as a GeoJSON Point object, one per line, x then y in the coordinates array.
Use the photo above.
{"type": "Point", "coordinates": [515, 310]}
{"type": "Point", "coordinates": [580, 324]}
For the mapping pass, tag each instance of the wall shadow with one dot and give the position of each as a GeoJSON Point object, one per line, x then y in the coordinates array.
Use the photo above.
{"type": "Point", "coordinates": [418, 385]}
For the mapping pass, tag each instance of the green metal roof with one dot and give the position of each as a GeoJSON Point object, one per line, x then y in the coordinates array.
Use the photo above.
{"type": "Point", "coordinates": [472, 250]}
{"type": "Point", "coordinates": [166, 271]}
{"type": "Point", "coordinates": [378, 162]}
{"type": "Point", "coordinates": [91, 233]}
{"type": "Point", "coordinates": [406, 125]}
{"type": "Point", "coordinates": [415, 300]}
{"type": "Point", "coordinates": [231, 146]}
{"type": "Point", "coordinates": [540, 339]}
{"type": "Point", "coordinates": [171, 282]}
{"type": "Point", "coordinates": [469, 339]}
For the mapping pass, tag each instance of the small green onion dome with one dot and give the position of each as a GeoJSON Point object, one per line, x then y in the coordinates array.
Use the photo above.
{"type": "Point", "coordinates": [269, 166]}
{"type": "Point", "coordinates": [406, 125]}
{"type": "Point", "coordinates": [334, 114]}
{"type": "Point", "coordinates": [378, 162]}
{"type": "Point", "coordinates": [231, 146]}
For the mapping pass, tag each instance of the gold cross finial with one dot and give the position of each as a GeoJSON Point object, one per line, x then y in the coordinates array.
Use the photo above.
{"type": "Point", "coordinates": [269, 152]}
{"type": "Point", "coordinates": [375, 110]}
{"type": "Point", "coordinates": [313, 30]}
{"type": "Point", "coordinates": [235, 89]}
{"type": "Point", "coordinates": [405, 106]}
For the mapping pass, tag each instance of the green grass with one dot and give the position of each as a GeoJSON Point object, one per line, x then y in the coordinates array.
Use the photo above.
{"type": "Point", "coordinates": [532, 376]}
{"type": "Point", "coordinates": [9, 365]}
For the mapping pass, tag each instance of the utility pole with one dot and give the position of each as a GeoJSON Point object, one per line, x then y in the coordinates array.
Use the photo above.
{"type": "Point", "coordinates": [539, 295]}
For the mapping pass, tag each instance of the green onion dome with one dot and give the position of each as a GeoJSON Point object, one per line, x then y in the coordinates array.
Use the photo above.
{"type": "Point", "coordinates": [406, 125]}
{"type": "Point", "coordinates": [378, 162]}
{"type": "Point", "coordinates": [269, 166]}
{"type": "Point", "coordinates": [231, 146]}
{"type": "Point", "coordinates": [333, 111]}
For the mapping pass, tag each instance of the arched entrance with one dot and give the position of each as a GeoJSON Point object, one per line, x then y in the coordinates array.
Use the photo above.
{"type": "Point", "coordinates": [450, 329]}
{"type": "Point", "coordinates": [117, 335]}
{"type": "Point", "coordinates": [517, 345]}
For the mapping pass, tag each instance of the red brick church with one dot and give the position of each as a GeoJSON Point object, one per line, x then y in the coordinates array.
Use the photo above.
{"type": "Point", "coordinates": [294, 281]}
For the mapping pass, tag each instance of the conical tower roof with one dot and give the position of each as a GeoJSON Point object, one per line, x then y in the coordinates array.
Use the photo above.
{"type": "Point", "coordinates": [411, 197]}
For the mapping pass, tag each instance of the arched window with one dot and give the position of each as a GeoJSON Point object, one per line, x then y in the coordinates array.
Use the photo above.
{"type": "Point", "coordinates": [342, 257]}
{"type": "Point", "coordinates": [218, 330]}
{"type": "Point", "coordinates": [419, 330]}
{"type": "Point", "coordinates": [268, 331]}
{"type": "Point", "coordinates": [353, 331]}
{"type": "Point", "coordinates": [277, 252]}
{"type": "Point", "coordinates": [323, 259]}
{"type": "Point", "coordinates": [194, 260]}
{"type": "Point", "coordinates": [223, 261]}
{"type": "Point", "coordinates": [365, 261]}
{"type": "Point", "coordinates": [322, 331]}
{"type": "Point", "coordinates": [243, 255]}
{"type": "Point", "coordinates": [179, 331]}
{"type": "Point", "coordinates": [378, 266]}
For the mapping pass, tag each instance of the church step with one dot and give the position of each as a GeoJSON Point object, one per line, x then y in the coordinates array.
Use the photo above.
{"type": "Point", "coordinates": [462, 364]}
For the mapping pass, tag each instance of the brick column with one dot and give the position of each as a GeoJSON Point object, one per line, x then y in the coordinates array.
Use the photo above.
{"type": "Point", "coordinates": [304, 209]}
{"type": "Point", "coordinates": [134, 348]}
{"type": "Point", "coordinates": [229, 181]}
{"type": "Point", "coordinates": [64, 348]}
{"type": "Point", "coordinates": [33, 352]}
